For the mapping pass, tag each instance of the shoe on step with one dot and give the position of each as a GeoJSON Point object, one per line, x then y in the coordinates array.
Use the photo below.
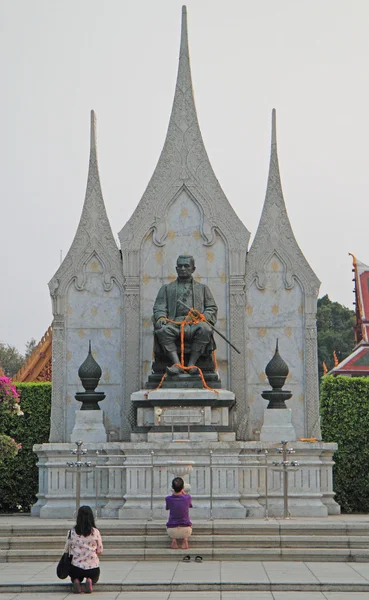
{"type": "Point", "coordinates": [89, 587]}
{"type": "Point", "coordinates": [77, 587]}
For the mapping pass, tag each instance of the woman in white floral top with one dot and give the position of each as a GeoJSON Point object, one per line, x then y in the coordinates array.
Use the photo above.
{"type": "Point", "coordinates": [85, 546]}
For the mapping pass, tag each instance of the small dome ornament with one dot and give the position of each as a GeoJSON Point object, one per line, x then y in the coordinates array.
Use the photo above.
{"type": "Point", "coordinates": [89, 374]}
{"type": "Point", "coordinates": [276, 372]}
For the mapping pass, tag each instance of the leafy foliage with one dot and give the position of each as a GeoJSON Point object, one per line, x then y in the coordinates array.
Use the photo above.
{"type": "Point", "coordinates": [30, 346]}
{"type": "Point", "coordinates": [19, 474]}
{"type": "Point", "coordinates": [9, 404]}
{"type": "Point", "coordinates": [335, 325]}
{"type": "Point", "coordinates": [8, 447]}
{"type": "Point", "coordinates": [10, 359]}
{"type": "Point", "coordinates": [345, 420]}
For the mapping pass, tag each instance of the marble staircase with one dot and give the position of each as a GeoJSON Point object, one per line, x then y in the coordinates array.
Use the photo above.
{"type": "Point", "coordinates": [340, 538]}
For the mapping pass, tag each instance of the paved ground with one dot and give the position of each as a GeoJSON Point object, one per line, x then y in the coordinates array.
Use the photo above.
{"type": "Point", "coordinates": [277, 579]}
{"type": "Point", "coordinates": [195, 596]}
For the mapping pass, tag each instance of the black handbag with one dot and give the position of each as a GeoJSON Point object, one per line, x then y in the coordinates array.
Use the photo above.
{"type": "Point", "coordinates": [63, 568]}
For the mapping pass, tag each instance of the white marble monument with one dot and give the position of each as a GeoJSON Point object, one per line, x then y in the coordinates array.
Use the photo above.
{"type": "Point", "coordinates": [106, 294]}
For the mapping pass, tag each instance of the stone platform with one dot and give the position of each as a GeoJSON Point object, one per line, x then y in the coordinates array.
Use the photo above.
{"type": "Point", "coordinates": [228, 479]}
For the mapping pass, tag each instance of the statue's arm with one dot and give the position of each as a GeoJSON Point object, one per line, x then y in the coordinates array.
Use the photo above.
{"type": "Point", "coordinates": [210, 307]}
{"type": "Point", "coordinates": [161, 305]}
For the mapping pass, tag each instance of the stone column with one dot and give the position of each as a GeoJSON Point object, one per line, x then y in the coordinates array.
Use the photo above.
{"type": "Point", "coordinates": [131, 357]}
{"type": "Point", "coordinates": [57, 419]}
{"type": "Point", "coordinates": [311, 373]}
{"type": "Point", "coordinates": [238, 362]}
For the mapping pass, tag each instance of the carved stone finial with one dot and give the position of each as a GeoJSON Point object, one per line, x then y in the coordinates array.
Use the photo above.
{"type": "Point", "coordinates": [89, 374]}
{"type": "Point", "coordinates": [276, 372]}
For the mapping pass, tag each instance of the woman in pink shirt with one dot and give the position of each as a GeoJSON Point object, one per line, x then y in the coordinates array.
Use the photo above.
{"type": "Point", "coordinates": [179, 525]}
{"type": "Point", "coordinates": [85, 546]}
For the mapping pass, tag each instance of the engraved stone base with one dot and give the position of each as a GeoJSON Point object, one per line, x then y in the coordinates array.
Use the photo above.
{"type": "Point", "coordinates": [277, 425]}
{"type": "Point", "coordinates": [89, 426]}
{"type": "Point", "coordinates": [176, 414]}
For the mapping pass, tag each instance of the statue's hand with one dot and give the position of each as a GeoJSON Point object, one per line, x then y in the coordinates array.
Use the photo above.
{"type": "Point", "coordinates": [197, 314]}
{"type": "Point", "coordinates": [160, 323]}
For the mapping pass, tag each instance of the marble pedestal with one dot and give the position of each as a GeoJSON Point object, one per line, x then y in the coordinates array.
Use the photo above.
{"type": "Point", "coordinates": [277, 425]}
{"type": "Point", "coordinates": [89, 426]}
{"type": "Point", "coordinates": [183, 413]}
{"type": "Point", "coordinates": [235, 472]}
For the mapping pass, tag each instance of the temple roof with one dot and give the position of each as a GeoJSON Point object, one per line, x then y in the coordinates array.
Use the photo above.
{"type": "Point", "coordinates": [183, 162]}
{"type": "Point", "coordinates": [275, 235]}
{"type": "Point", "coordinates": [357, 363]}
{"type": "Point", "coordinates": [38, 365]}
{"type": "Point", "coordinates": [361, 278]}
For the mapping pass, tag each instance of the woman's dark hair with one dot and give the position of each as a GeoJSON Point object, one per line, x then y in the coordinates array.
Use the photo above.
{"type": "Point", "coordinates": [85, 521]}
{"type": "Point", "coordinates": [178, 484]}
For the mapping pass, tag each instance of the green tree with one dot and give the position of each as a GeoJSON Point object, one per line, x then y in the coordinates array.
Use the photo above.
{"type": "Point", "coordinates": [30, 346]}
{"type": "Point", "coordinates": [335, 325]}
{"type": "Point", "coordinates": [9, 405]}
{"type": "Point", "coordinates": [10, 359]}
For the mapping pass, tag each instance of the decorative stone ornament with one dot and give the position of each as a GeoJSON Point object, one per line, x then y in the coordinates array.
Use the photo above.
{"type": "Point", "coordinates": [276, 372]}
{"type": "Point", "coordinates": [89, 374]}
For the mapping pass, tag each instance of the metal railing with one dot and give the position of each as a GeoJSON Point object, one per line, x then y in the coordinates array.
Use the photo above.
{"type": "Point", "coordinates": [152, 466]}
{"type": "Point", "coordinates": [78, 466]}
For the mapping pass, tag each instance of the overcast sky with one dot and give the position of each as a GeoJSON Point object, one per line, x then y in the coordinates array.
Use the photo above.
{"type": "Point", "coordinates": [60, 58]}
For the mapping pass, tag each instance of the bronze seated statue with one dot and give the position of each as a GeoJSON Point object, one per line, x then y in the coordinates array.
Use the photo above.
{"type": "Point", "coordinates": [184, 300]}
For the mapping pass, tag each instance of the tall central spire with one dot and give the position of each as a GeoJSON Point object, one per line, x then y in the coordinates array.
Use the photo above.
{"type": "Point", "coordinates": [184, 161]}
{"type": "Point", "coordinates": [184, 111]}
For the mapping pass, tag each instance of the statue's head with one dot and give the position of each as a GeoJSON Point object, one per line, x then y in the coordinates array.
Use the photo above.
{"type": "Point", "coordinates": [185, 266]}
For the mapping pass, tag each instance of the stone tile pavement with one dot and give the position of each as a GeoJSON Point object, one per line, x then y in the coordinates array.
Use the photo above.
{"type": "Point", "coordinates": [234, 580]}
{"type": "Point", "coordinates": [194, 596]}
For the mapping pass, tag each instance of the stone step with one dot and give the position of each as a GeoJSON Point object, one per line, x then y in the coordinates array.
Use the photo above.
{"type": "Point", "coordinates": [346, 590]}
{"type": "Point", "coordinates": [227, 527]}
{"type": "Point", "coordinates": [316, 539]}
{"type": "Point", "coordinates": [207, 552]}
{"type": "Point", "coordinates": [213, 541]}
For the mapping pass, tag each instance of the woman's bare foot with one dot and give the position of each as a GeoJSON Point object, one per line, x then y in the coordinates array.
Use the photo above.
{"type": "Point", "coordinates": [185, 544]}
{"type": "Point", "coordinates": [174, 545]}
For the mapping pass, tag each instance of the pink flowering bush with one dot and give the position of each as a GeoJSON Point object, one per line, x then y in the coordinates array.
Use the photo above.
{"type": "Point", "coordinates": [9, 404]}
{"type": "Point", "coordinates": [9, 396]}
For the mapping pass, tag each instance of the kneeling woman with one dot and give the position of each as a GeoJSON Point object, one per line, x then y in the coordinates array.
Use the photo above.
{"type": "Point", "coordinates": [85, 546]}
{"type": "Point", "coordinates": [179, 525]}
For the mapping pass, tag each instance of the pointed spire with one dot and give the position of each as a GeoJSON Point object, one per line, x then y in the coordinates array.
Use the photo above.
{"type": "Point", "coordinates": [183, 161]}
{"type": "Point", "coordinates": [274, 188]}
{"type": "Point", "coordinates": [94, 233]}
{"type": "Point", "coordinates": [184, 34]}
{"type": "Point", "coordinates": [183, 111]}
{"type": "Point", "coordinates": [93, 132]}
{"type": "Point", "coordinates": [93, 179]}
{"type": "Point", "coordinates": [274, 232]}
{"type": "Point", "coordinates": [274, 127]}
